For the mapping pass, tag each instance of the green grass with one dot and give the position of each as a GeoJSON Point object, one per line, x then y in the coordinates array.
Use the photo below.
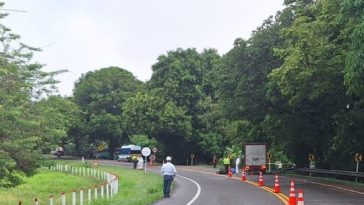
{"type": "Point", "coordinates": [42, 185]}
{"type": "Point", "coordinates": [135, 187]}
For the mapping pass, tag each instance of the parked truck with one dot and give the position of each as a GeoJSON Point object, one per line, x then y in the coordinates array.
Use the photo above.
{"type": "Point", "coordinates": [255, 157]}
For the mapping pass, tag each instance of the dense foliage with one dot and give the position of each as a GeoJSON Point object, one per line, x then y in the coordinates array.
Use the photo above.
{"type": "Point", "coordinates": [296, 84]}
{"type": "Point", "coordinates": [100, 95]}
{"type": "Point", "coordinates": [23, 125]}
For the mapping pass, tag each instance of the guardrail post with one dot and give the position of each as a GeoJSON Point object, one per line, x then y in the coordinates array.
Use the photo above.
{"type": "Point", "coordinates": [51, 201]}
{"type": "Point", "coordinates": [89, 195]}
{"type": "Point", "coordinates": [107, 190]}
{"type": "Point", "coordinates": [73, 197]}
{"type": "Point", "coordinates": [95, 192]}
{"type": "Point", "coordinates": [111, 190]}
{"type": "Point", "coordinates": [116, 186]}
{"type": "Point", "coordinates": [81, 197]}
{"type": "Point", "coordinates": [63, 199]}
{"type": "Point", "coordinates": [102, 191]}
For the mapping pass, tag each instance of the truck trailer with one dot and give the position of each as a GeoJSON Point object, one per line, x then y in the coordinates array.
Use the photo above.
{"type": "Point", "coordinates": [255, 157]}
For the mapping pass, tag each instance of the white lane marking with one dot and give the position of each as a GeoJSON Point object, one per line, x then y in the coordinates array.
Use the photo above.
{"type": "Point", "coordinates": [327, 185]}
{"type": "Point", "coordinates": [336, 187]}
{"type": "Point", "coordinates": [198, 189]}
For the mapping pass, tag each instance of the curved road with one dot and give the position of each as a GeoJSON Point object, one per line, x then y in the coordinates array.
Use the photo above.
{"type": "Point", "coordinates": [216, 190]}
{"type": "Point", "coordinates": [199, 186]}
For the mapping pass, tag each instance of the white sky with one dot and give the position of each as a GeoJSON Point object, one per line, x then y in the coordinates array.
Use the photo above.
{"type": "Point", "coordinates": [85, 35]}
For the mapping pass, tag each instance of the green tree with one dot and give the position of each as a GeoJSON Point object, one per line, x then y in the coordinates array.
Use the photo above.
{"type": "Point", "coordinates": [56, 116]}
{"type": "Point", "coordinates": [22, 82]}
{"type": "Point", "coordinates": [314, 106]}
{"type": "Point", "coordinates": [100, 94]}
{"type": "Point", "coordinates": [152, 115]}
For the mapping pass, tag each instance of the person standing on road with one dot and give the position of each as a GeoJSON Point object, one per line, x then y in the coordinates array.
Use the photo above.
{"type": "Point", "coordinates": [237, 164]}
{"type": "Point", "coordinates": [214, 160]}
{"type": "Point", "coordinates": [227, 164]}
{"type": "Point", "coordinates": [169, 172]}
{"type": "Point", "coordinates": [140, 162]}
{"type": "Point", "coordinates": [60, 151]}
{"type": "Point", "coordinates": [134, 159]}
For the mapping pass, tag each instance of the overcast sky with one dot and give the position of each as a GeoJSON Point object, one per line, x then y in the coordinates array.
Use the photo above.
{"type": "Point", "coordinates": [85, 35]}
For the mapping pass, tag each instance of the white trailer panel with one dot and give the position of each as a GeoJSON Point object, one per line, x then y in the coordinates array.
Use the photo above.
{"type": "Point", "coordinates": [255, 155]}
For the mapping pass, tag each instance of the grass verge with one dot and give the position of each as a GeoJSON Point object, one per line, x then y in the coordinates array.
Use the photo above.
{"type": "Point", "coordinates": [42, 185]}
{"type": "Point", "coordinates": [135, 187]}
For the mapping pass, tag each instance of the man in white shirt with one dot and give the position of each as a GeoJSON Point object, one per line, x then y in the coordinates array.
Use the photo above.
{"type": "Point", "coordinates": [169, 172]}
{"type": "Point", "coordinates": [140, 162]}
{"type": "Point", "coordinates": [237, 163]}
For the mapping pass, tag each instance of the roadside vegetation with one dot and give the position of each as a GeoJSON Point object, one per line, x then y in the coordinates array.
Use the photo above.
{"type": "Point", "coordinates": [135, 187]}
{"type": "Point", "coordinates": [42, 185]}
{"type": "Point", "coordinates": [297, 84]}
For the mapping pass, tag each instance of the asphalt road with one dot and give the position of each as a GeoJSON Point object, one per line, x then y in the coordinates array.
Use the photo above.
{"type": "Point", "coordinates": [318, 193]}
{"type": "Point", "coordinates": [204, 187]}
{"type": "Point", "coordinates": [216, 190]}
{"type": "Point", "coordinates": [200, 186]}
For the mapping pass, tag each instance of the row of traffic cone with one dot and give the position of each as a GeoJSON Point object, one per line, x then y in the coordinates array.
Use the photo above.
{"type": "Point", "coordinates": [292, 196]}
{"type": "Point", "coordinates": [277, 189]}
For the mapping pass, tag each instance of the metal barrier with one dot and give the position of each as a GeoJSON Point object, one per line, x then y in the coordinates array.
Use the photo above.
{"type": "Point", "coordinates": [333, 173]}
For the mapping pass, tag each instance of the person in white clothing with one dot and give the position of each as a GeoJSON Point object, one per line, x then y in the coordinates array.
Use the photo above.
{"type": "Point", "coordinates": [237, 163]}
{"type": "Point", "coordinates": [140, 162]}
{"type": "Point", "coordinates": [169, 172]}
{"type": "Point", "coordinates": [60, 151]}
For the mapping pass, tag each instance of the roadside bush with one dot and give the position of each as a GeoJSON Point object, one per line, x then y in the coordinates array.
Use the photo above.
{"type": "Point", "coordinates": [9, 177]}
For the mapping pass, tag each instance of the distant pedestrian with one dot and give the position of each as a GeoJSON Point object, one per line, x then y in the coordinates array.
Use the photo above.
{"type": "Point", "coordinates": [237, 164]}
{"type": "Point", "coordinates": [134, 159]}
{"type": "Point", "coordinates": [214, 160]}
{"type": "Point", "coordinates": [169, 172]}
{"type": "Point", "coordinates": [60, 151]}
{"type": "Point", "coordinates": [140, 162]}
{"type": "Point", "coordinates": [227, 164]}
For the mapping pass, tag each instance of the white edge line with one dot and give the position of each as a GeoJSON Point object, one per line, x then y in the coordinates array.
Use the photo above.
{"type": "Point", "coordinates": [198, 189]}
{"type": "Point", "coordinates": [327, 185]}
{"type": "Point", "coordinates": [335, 187]}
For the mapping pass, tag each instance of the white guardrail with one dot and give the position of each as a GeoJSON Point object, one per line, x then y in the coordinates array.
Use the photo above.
{"type": "Point", "coordinates": [106, 190]}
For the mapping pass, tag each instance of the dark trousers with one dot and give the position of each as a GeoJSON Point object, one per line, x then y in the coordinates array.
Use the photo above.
{"type": "Point", "coordinates": [226, 168]}
{"type": "Point", "coordinates": [167, 181]}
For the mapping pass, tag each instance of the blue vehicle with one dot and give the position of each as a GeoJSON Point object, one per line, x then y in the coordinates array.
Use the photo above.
{"type": "Point", "coordinates": [126, 152]}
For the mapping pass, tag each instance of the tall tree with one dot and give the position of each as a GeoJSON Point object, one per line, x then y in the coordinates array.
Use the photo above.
{"type": "Point", "coordinates": [243, 83]}
{"type": "Point", "coordinates": [101, 94]}
{"type": "Point", "coordinates": [311, 82]}
{"type": "Point", "coordinates": [152, 115]}
{"type": "Point", "coordinates": [21, 83]}
{"type": "Point", "coordinates": [186, 77]}
{"type": "Point", "coordinates": [56, 116]}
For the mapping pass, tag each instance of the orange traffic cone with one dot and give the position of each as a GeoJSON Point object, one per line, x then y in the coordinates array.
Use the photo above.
{"type": "Point", "coordinates": [243, 176]}
{"type": "Point", "coordinates": [300, 198]}
{"type": "Point", "coordinates": [292, 194]}
{"type": "Point", "coordinates": [277, 188]}
{"type": "Point", "coordinates": [261, 181]}
{"type": "Point", "coordinates": [230, 174]}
